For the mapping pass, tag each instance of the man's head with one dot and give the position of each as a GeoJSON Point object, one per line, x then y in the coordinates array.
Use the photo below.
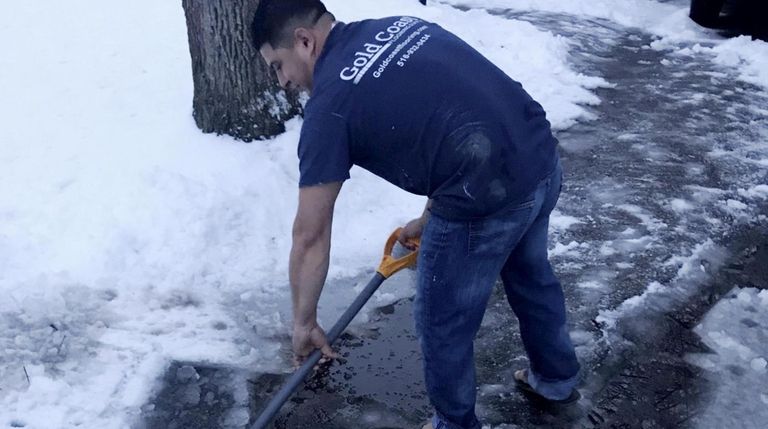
{"type": "Point", "coordinates": [290, 35]}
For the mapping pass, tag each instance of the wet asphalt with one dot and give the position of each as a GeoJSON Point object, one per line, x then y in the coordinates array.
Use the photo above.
{"type": "Point", "coordinates": [672, 127]}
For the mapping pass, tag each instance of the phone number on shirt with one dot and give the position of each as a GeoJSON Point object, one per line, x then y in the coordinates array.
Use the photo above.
{"type": "Point", "coordinates": [412, 50]}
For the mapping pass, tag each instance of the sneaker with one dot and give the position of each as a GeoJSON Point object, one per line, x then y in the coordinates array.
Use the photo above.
{"type": "Point", "coordinates": [521, 379]}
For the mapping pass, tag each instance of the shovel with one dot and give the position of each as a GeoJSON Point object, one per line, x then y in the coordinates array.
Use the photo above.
{"type": "Point", "coordinates": [389, 266]}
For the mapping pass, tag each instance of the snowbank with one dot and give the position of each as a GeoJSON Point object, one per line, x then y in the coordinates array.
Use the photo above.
{"type": "Point", "coordinates": [735, 330]}
{"type": "Point", "coordinates": [669, 22]}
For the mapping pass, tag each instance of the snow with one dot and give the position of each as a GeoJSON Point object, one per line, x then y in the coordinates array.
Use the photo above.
{"type": "Point", "coordinates": [692, 266]}
{"type": "Point", "coordinates": [572, 248]}
{"type": "Point", "coordinates": [625, 137]}
{"type": "Point", "coordinates": [610, 317]}
{"type": "Point", "coordinates": [680, 205]}
{"type": "Point", "coordinates": [647, 219]}
{"type": "Point", "coordinates": [128, 239]}
{"type": "Point", "coordinates": [735, 330]}
{"type": "Point", "coordinates": [692, 269]}
{"type": "Point", "coordinates": [669, 22]}
{"type": "Point", "coordinates": [591, 284]}
{"type": "Point", "coordinates": [736, 205]}
{"type": "Point", "coordinates": [758, 364]}
{"type": "Point", "coordinates": [630, 13]}
{"type": "Point", "coordinates": [560, 222]}
{"type": "Point", "coordinates": [755, 192]}
{"type": "Point", "coordinates": [748, 56]}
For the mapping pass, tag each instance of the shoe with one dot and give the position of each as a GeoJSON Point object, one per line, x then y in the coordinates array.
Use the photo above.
{"type": "Point", "coordinates": [428, 426]}
{"type": "Point", "coordinates": [521, 380]}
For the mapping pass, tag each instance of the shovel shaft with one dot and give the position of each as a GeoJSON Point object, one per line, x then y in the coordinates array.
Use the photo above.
{"type": "Point", "coordinates": [295, 380]}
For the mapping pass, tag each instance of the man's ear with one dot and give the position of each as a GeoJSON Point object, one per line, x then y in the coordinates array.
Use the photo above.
{"type": "Point", "coordinates": [304, 38]}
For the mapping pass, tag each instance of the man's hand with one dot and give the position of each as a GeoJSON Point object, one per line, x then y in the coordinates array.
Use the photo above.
{"type": "Point", "coordinates": [414, 228]}
{"type": "Point", "coordinates": [411, 230]}
{"type": "Point", "coordinates": [308, 338]}
{"type": "Point", "coordinates": [309, 266]}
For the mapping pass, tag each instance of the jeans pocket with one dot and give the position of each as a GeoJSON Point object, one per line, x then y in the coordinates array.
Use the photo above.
{"type": "Point", "coordinates": [476, 235]}
{"type": "Point", "coordinates": [524, 205]}
{"type": "Point", "coordinates": [494, 235]}
{"type": "Point", "coordinates": [434, 238]}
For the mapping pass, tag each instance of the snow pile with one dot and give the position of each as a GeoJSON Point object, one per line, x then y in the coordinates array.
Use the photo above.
{"type": "Point", "coordinates": [128, 239]}
{"type": "Point", "coordinates": [630, 13]}
{"type": "Point", "coordinates": [736, 330]}
{"type": "Point", "coordinates": [668, 22]}
{"type": "Point", "coordinates": [749, 56]}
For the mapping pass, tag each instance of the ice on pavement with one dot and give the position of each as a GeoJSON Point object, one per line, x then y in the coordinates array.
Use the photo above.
{"type": "Point", "coordinates": [692, 270]}
{"type": "Point", "coordinates": [736, 330]}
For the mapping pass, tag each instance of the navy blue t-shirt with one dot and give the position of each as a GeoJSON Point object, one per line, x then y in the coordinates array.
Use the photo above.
{"type": "Point", "coordinates": [417, 106]}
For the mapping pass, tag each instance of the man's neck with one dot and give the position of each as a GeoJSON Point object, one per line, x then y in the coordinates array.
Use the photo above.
{"type": "Point", "coordinates": [323, 27]}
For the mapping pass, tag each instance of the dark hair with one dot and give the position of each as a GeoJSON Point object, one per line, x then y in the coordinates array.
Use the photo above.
{"type": "Point", "coordinates": [275, 20]}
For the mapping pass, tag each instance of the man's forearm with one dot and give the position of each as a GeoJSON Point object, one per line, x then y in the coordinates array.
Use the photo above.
{"type": "Point", "coordinates": [307, 271]}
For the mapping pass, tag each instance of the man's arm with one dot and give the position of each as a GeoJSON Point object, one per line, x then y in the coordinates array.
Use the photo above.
{"type": "Point", "coordinates": [309, 265]}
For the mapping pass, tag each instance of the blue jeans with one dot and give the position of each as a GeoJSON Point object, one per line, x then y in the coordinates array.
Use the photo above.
{"type": "Point", "coordinates": [459, 262]}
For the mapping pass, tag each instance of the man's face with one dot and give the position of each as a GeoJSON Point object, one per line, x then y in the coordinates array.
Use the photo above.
{"type": "Point", "coordinates": [293, 66]}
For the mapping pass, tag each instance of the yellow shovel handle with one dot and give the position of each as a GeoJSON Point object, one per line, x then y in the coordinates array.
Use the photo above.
{"type": "Point", "coordinates": [389, 264]}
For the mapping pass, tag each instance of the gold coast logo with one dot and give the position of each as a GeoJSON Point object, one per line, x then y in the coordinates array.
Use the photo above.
{"type": "Point", "coordinates": [370, 52]}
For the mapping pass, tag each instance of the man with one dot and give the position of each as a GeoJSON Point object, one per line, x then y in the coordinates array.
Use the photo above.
{"type": "Point", "coordinates": [414, 104]}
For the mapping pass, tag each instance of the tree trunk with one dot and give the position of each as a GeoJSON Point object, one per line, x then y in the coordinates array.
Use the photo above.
{"type": "Point", "coordinates": [235, 92]}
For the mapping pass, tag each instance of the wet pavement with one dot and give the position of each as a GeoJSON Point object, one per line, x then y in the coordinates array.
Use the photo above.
{"type": "Point", "coordinates": [378, 383]}
{"type": "Point", "coordinates": [653, 182]}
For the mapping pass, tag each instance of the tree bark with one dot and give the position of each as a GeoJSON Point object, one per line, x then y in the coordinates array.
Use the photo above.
{"type": "Point", "coordinates": [235, 92]}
